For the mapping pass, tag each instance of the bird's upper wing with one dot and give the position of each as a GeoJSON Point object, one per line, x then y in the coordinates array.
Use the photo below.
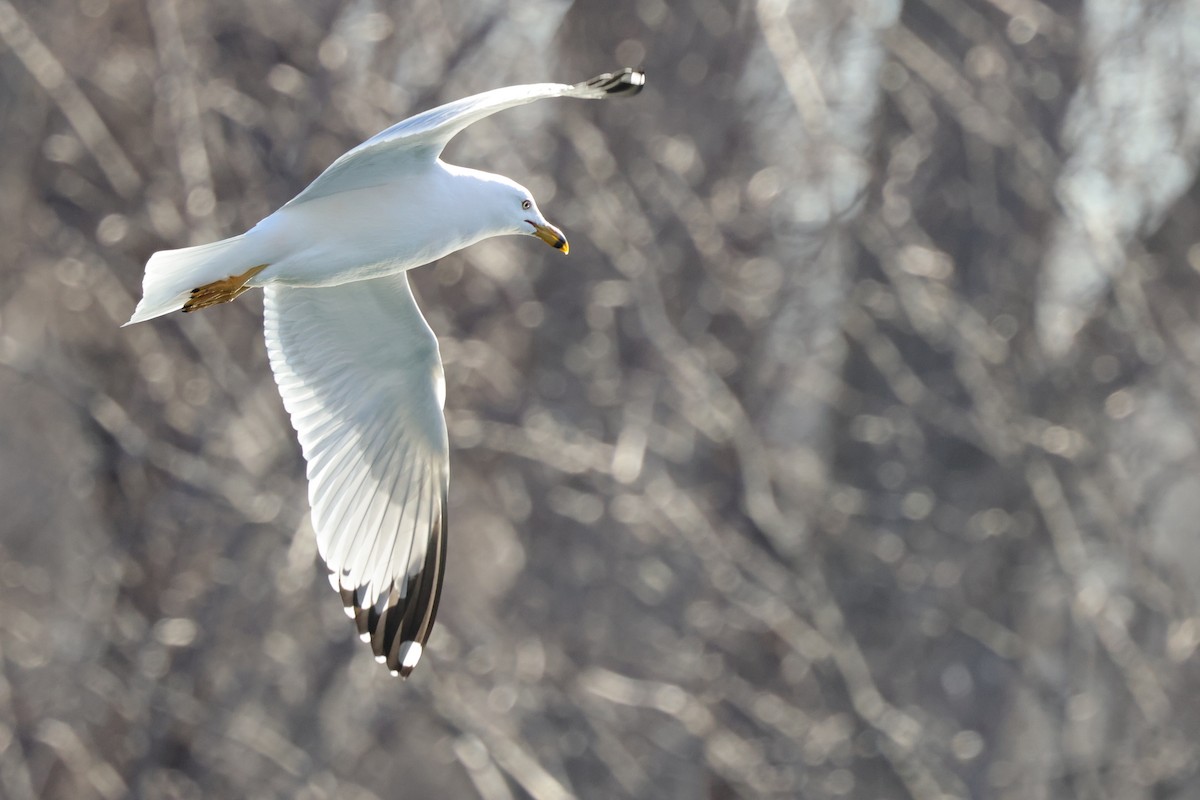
{"type": "Point", "coordinates": [360, 374]}
{"type": "Point", "coordinates": [390, 153]}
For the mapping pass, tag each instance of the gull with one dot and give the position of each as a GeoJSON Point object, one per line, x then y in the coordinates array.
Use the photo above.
{"type": "Point", "coordinates": [357, 365]}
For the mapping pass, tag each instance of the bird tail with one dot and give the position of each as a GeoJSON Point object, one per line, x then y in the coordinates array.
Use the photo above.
{"type": "Point", "coordinates": [174, 276]}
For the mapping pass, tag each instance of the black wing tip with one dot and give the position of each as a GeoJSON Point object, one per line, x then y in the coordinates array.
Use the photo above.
{"type": "Point", "coordinates": [389, 627]}
{"type": "Point", "coordinates": [628, 82]}
{"type": "Point", "coordinates": [397, 626]}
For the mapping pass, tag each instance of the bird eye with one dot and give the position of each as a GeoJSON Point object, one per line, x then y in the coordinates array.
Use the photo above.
{"type": "Point", "coordinates": [526, 204]}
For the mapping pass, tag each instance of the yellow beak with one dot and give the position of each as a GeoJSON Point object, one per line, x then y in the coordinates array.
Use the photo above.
{"type": "Point", "coordinates": [550, 235]}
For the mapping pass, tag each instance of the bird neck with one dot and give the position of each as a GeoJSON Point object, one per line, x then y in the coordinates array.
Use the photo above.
{"type": "Point", "coordinates": [476, 202]}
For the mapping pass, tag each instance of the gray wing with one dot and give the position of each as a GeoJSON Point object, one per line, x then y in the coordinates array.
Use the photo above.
{"type": "Point", "coordinates": [388, 154]}
{"type": "Point", "coordinates": [360, 375]}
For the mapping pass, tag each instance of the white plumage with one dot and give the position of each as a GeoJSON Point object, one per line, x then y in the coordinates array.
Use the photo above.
{"type": "Point", "coordinates": [357, 365]}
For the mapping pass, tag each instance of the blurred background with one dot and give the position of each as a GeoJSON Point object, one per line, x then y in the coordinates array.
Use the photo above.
{"type": "Point", "coordinates": [852, 453]}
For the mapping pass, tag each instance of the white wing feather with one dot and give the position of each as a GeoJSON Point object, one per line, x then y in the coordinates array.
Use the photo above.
{"type": "Point", "coordinates": [359, 372]}
{"type": "Point", "coordinates": [421, 138]}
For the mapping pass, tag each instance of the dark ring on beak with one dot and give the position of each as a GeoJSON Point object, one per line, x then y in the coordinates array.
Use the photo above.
{"type": "Point", "coordinates": [550, 235]}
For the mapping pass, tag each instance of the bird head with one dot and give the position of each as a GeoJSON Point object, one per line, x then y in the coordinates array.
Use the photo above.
{"type": "Point", "coordinates": [518, 212]}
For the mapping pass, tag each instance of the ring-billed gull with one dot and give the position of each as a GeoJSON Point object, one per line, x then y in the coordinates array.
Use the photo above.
{"type": "Point", "coordinates": [357, 365]}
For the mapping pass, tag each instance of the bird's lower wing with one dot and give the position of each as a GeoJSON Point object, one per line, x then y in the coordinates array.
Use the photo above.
{"type": "Point", "coordinates": [422, 137]}
{"type": "Point", "coordinates": [360, 374]}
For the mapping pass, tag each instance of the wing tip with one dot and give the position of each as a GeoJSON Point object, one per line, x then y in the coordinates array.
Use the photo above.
{"type": "Point", "coordinates": [397, 625]}
{"type": "Point", "coordinates": [627, 82]}
{"type": "Point", "coordinates": [407, 656]}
